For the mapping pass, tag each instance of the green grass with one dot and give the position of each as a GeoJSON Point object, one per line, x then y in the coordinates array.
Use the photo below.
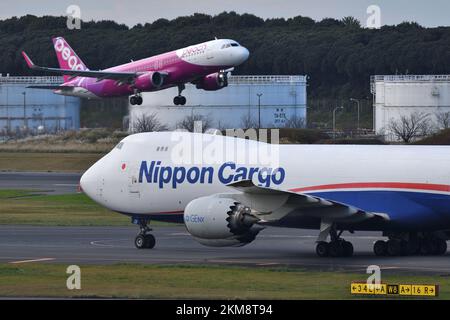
{"type": "Point", "coordinates": [41, 161]}
{"type": "Point", "coordinates": [196, 282]}
{"type": "Point", "coordinates": [11, 193]}
{"type": "Point", "coordinates": [31, 208]}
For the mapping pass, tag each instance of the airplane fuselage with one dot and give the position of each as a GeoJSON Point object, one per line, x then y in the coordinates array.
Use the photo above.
{"type": "Point", "coordinates": [143, 176]}
{"type": "Point", "coordinates": [181, 66]}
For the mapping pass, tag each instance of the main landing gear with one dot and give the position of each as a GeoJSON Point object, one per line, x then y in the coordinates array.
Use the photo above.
{"type": "Point", "coordinates": [144, 240]}
{"type": "Point", "coordinates": [337, 247]}
{"type": "Point", "coordinates": [179, 99]}
{"type": "Point", "coordinates": [136, 99]}
{"type": "Point", "coordinates": [410, 244]}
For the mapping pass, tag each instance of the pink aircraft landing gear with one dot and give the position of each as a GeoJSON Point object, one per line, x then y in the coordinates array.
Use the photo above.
{"type": "Point", "coordinates": [136, 100]}
{"type": "Point", "coordinates": [179, 99]}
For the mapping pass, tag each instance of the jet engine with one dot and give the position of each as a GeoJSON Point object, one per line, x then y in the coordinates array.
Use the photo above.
{"type": "Point", "coordinates": [149, 80]}
{"type": "Point", "coordinates": [213, 81]}
{"type": "Point", "coordinates": [220, 222]}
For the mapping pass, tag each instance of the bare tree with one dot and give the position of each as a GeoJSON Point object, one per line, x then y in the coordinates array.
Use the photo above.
{"type": "Point", "coordinates": [443, 120]}
{"type": "Point", "coordinates": [410, 127]}
{"type": "Point", "coordinates": [295, 122]}
{"type": "Point", "coordinates": [195, 122]}
{"type": "Point", "coordinates": [247, 121]}
{"type": "Point", "coordinates": [148, 123]}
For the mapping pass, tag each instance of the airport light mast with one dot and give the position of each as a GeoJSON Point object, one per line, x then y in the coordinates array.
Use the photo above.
{"type": "Point", "coordinates": [334, 120]}
{"type": "Point", "coordinates": [25, 124]}
{"type": "Point", "coordinates": [357, 103]}
{"type": "Point", "coordinates": [259, 109]}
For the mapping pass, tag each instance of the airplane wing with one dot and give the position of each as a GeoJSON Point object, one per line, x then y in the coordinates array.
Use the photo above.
{"type": "Point", "coordinates": [275, 205]}
{"type": "Point", "coordinates": [100, 75]}
{"type": "Point", "coordinates": [51, 87]}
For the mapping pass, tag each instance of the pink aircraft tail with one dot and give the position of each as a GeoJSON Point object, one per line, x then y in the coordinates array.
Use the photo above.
{"type": "Point", "coordinates": [67, 58]}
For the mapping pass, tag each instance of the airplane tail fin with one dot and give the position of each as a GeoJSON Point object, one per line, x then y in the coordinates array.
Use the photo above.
{"type": "Point", "coordinates": [67, 57]}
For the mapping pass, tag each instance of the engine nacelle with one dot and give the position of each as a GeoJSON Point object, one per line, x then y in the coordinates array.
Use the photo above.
{"type": "Point", "coordinates": [149, 80]}
{"type": "Point", "coordinates": [213, 82]}
{"type": "Point", "coordinates": [219, 222]}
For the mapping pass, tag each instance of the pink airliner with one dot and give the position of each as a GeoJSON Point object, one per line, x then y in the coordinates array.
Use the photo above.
{"type": "Point", "coordinates": [206, 65]}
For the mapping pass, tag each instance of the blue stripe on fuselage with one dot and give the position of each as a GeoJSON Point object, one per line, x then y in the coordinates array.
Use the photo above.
{"type": "Point", "coordinates": [412, 210]}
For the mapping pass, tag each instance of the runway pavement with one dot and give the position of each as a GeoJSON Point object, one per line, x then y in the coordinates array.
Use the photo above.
{"type": "Point", "coordinates": [107, 245]}
{"type": "Point", "coordinates": [273, 247]}
{"type": "Point", "coordinates": [50, 182]}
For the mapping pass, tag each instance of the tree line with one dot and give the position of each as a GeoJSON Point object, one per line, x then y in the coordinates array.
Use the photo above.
{"type": "Point", "coordinates": [338, 55]}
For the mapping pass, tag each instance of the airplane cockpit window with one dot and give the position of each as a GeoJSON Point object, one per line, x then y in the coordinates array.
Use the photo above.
{"type": "Point", "coordinates": [119, 145]}
{"type": "Point", "coordinates": [229, 45]}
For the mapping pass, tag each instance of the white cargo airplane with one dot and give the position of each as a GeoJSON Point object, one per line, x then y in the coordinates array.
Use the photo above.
{"type": "Point", "coordinates": [403, 191]}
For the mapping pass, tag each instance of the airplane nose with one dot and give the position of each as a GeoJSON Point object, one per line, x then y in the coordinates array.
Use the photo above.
{"type": "Point", "coordinates": [244, 54]}
{"type": "Point", "coordinates": [88, 183]}
{"type": "Point", "coordinates": [240, 54]}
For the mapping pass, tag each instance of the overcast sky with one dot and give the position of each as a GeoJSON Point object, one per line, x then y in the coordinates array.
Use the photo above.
{"type": "Point", "coordinates": [427, 13]}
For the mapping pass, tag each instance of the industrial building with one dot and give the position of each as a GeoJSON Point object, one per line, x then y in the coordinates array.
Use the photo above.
{"type": "Point", "coordinates": [265, 101]}
{"type": "Point", "coordinates": [35, 110]}
{"type": "Point", "coordinates": [395, 96]}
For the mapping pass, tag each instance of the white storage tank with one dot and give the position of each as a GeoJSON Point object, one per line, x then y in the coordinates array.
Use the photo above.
{"type": "Point", "coordinates": [36, 110]}
{"type": "Point", "coordinates": [280, 99]}
{"type": "Point", "coordinates": [402, 95]}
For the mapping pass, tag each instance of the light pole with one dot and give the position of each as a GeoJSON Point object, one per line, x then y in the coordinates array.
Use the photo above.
{"type": "Point", "coordinates": [357, 103]}
{"type": "Point", "coordinates": [259, 109]}
{"type": "Point", "coordinates": [334, 120]}
{"type": "Point", "coordinates": [24, 110]}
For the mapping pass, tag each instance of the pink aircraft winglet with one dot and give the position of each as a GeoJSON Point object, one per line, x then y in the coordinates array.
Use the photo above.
{"type": "Point", "coordinates": [28, 60]}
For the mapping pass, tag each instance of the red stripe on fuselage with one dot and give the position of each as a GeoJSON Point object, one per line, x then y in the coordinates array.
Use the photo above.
{"type": "Point", "coordinates": [376, 185]}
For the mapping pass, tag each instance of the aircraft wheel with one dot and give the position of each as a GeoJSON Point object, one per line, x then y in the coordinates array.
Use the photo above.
{"type": "Point", "coordinates": [139, 241]}
{"type": "Point", "coordinates": [182, 100]}
{"type": "Point", "coordinates": [149, 241]}
{"type": "Point", "coordinates": [139, 100]}
{"type": "Point", "coordinates": [336, 248]}
{"type": "Point", "coordinates": [133, 100]}
{"type": "Point", "coordinates": [380, 248]}
{"type": "Point", "coordinates": [404, 250]}
{"type": "Point", "coordinates": [394, 248]}
{"type": "Point", "coordinates": [441, 247]}
{"type": "Point", "coordinates": [412, 247]}
{"type": "Point", "coordinates": [176, 100]}
{"type": "Point", "coordinates": [322, 249]}
{"type": "Point", "coordinates": [348, 248]}
{"type": "Point", "coordinates": [426, 247]}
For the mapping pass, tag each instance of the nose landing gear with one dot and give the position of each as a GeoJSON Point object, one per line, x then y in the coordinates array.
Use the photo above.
{"type": "Point", "coordinates": [144, 240]}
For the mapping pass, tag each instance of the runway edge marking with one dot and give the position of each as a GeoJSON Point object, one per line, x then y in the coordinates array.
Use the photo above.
{"type": "Point", "coordinates": [32, 260]}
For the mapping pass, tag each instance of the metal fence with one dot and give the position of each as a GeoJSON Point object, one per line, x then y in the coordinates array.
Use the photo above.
{"type": "Point", "coordinates": [30, 80]}
{"type": "Point", "coordinates": [269, 79]}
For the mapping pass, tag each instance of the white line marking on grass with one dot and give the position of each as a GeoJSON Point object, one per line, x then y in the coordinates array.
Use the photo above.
{"type": "Point", "coordinates": [33, 260]}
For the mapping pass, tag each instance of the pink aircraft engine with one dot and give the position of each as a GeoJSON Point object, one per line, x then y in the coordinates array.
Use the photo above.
{"type": "Point", "coordinates": [213, 82]}
{"type": "Point", "coordinates": [149, 81]}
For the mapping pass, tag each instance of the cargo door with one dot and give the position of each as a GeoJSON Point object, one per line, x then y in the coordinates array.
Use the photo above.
{"type": "Point", "coordinates": [134, 187]}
